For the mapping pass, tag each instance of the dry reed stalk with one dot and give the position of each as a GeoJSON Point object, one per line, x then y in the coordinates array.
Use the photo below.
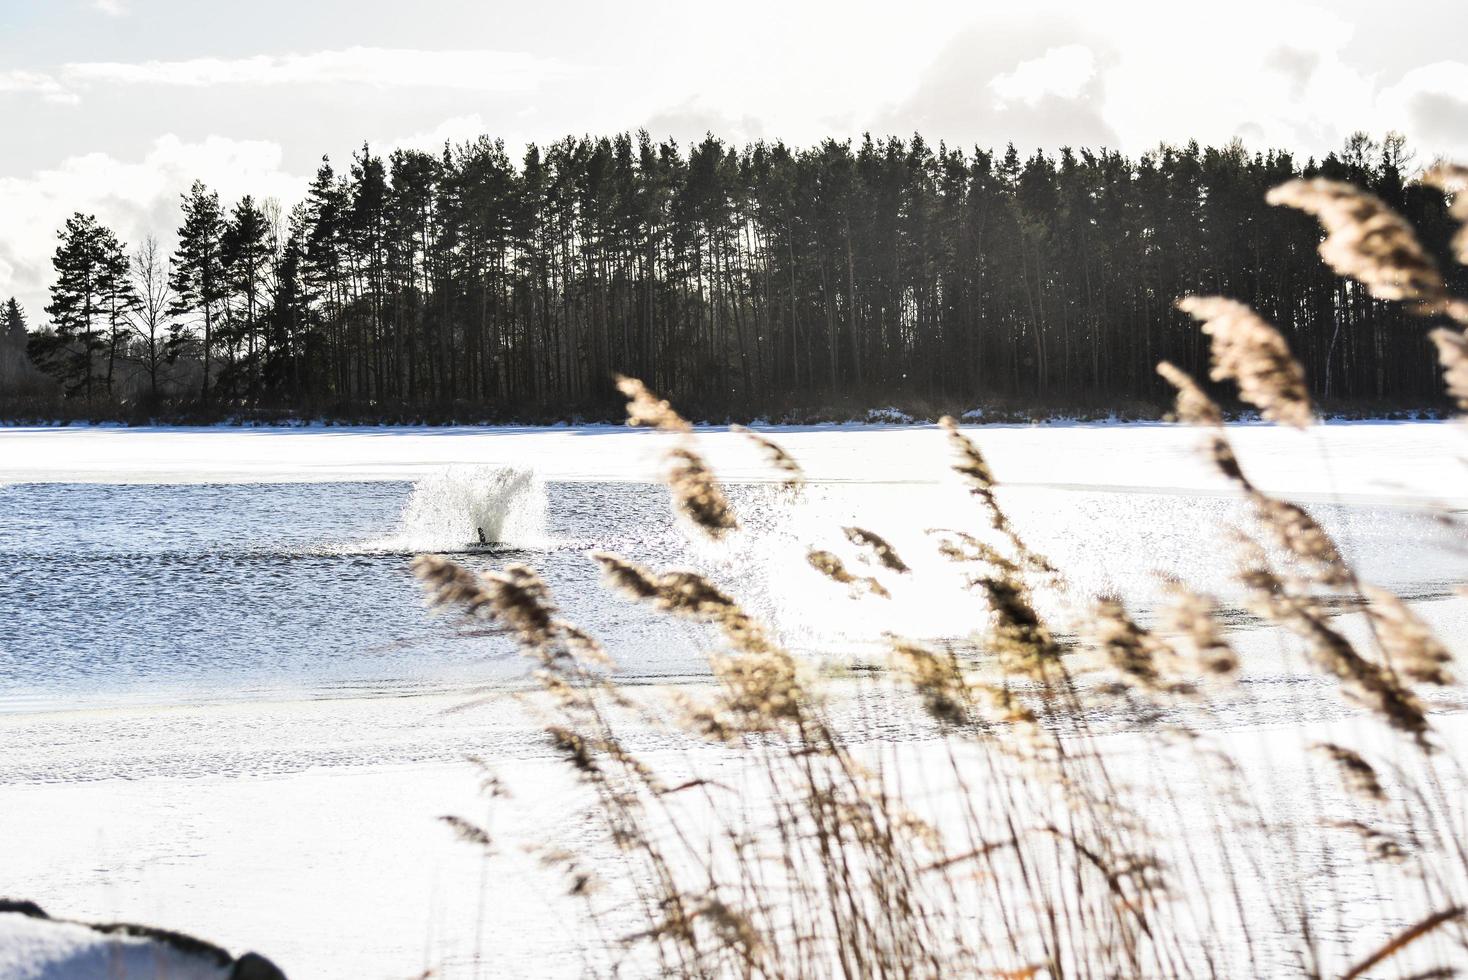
{"type": "Point", "coordinates": [1406, 938]}
{"type": "Point", "coordinates": [1452, 353]}
{"type": "Point", "coordinates": [832, 875]}
{"type": "Point", "coordinates": [776, 456]}
{"type": "Point", "coordinates": [1294, 529]}
{"type": "Point", "coordinates": [1251, 353]}
{"type": "Point", "coordinates": [1194, 618]}
{"type": "Point", "coordinates": [517, 598]}
{"type": "Point", "coordinates": [1408, 642]}
{"type": "Point", "coordinates": [1373, 685]}
{"type": "Point", "coordinates": [645, 408]}
{"type": "Point", "coordinates": [974, 470]}
{"type": "Point", "coordinates": [696, 494]}
{"type": "Point", "coordinates": [1367, 241]}
{"type": "Point", "coordinates": [938, 679]}
{"type": "Point", "coordinates": [1130, 650]}
{"type": "Point", "coordinates": [1359, 775]}
{"type": "Point", "coordinates": [831, 567]}
{"type": "Point", "coordinates": [884, 552]}
{"type": "Point", "coordinates": [1452, 179]}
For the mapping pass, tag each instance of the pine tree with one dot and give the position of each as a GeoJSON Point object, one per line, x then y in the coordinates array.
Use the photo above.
{"type": "Point", "coordinates": [16, 330]}
{"type": "Point", "coordinates": [765, 278]}
{"type": "Point", "coordinates": [198, 280]}
{"type": "Point", "coordinates": [245, 257]}
{"type": "Point", "coordinates": [14, 337]}
{"type": "Point", "coordinates": [88, 304]}
{"type": "Point", "coordinates": [325, 274]}
{"type": "Point", "coordinates": [120, 301]}
{"type": "Point", "coordinates": [293, 354]}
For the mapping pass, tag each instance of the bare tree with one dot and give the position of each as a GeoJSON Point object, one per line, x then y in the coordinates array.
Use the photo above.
{"type": "Point", "coordinates": [150, 319]}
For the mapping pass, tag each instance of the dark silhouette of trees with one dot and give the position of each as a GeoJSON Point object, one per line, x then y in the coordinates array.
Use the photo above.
{"type": "Point", "coordinates": [90, 302]}
{"type": "Point", "coordinates": [762, 280]}
{"type": "Point", "coordinates": [155, 340]}
{"type": "Point", "coordinates": [17, 373]}
{"type": "Point", "coordinates": [16, 330]}
{"type": "Point", "coordinates": [199, 284]}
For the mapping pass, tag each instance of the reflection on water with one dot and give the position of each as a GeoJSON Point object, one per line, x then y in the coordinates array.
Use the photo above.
{"type": "Point", "coordinates": [202, 592]}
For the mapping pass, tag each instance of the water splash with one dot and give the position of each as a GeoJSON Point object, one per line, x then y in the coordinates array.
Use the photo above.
{"type": "Point", "coordinates": [455, 509]}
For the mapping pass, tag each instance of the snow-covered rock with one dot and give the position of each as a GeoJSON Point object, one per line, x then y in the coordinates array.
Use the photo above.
{"type": "Point", "coordinates": [34, 946]}
{"type": "Point", "coordinates": [888, 415]}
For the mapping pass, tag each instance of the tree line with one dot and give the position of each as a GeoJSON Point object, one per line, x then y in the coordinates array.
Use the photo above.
{"type": "Point", "coordinates": [749, 281]}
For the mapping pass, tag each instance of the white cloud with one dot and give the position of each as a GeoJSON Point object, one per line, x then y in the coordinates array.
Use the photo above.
{"type": "Point", "coordinates": [691, 120]}
{"type": "Point", "coordinates": [477, 71]}
{"type": "Point", "coordinates": [112, 8]}
{"type": "Point", "coordinates": [37, 83]}
{"type": "Point", "coordinates": [1064, 72]}
{"type": "Point", "coordinates": [1277, 73]}
{"type": "Point", "coordinates": [134, 198]}
{"type": "Point", "coordinates": [456, 130]}
{"type": "Point", "coordinates": [1431, 104]}
{"type": "Point", "coordinates": [381, 68]}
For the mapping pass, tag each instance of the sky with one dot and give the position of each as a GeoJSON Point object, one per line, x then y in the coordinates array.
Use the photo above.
{"type": "Point", "coordinates": [113, 107]}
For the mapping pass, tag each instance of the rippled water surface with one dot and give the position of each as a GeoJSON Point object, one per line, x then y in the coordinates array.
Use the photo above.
{"type": "Point", "coordinates": [217, 673]}
{"type": "Point", "coordinates": [113, 593]}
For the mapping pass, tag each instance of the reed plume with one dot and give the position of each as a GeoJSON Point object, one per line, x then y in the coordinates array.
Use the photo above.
{"type": "Point", "coordinates": [938, 678]}
{"type": "Point", "coordinates": [1452, 353]}
{"type": "Point", "coordinates": [1452, 179]}
{"type": "Point", "coordinates": [1359, 774]}
{"type": "Point", "coordinates": [683, 593]}
{"type": "Point", "coordinates": [1194, 407]}
{"type": "Point", "coordinates": [1251, 353]}
{"type": "Point", "coordinates": [885, 554]}
{"type": "Point", "coordinates": [1193, 619]}
{"type": "Point", "coordinates": [695, 493]}
{"type": "Point", "coordinates": [831, 567]}
{"type": "Point", "coordinates": [973, 469]}
{"type": "Point", "coordinates": [776, 456]}
{"type": "Point", "coordinates": [1407, 641]}
{"type": "Point", "coordinates": [1289, 524]}
{"type": "Point", "coordinates": [1369, 683]}
{"type": "Point", "coordinates": [1131, 650]}
{"type": "Point", "coordinates": [646, 409]}
{"type": "Point", "coordinates": [1367, 241]}
{"type": "Point", "coordinates": [791, 832]}
{"type": "Point", "coordinates": [697, 496]}
{"type": "Point", "coordinates": [450, 584]}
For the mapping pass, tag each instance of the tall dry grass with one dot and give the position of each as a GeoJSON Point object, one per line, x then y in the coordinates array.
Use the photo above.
{"type": "Point", "coordinates": [1060, 795]}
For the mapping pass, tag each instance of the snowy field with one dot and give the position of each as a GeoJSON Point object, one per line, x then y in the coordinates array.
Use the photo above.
{"type": "Point", "coordinates": [1417, 460]}
{"type": "Point", "coordinates": [208, 752]}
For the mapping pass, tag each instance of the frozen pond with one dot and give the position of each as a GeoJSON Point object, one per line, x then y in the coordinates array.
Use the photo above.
{"type": "Point", "coordinates": [200, 575]}
{"type": "Point", "coordinates": [166, 593]}
{"type": "Point", "coordinates": [196, 622]}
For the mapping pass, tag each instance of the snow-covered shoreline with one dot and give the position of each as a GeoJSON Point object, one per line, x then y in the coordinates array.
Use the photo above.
{"type": "Point", "coordinates": [194, 816]}
{"type": "Point", "coordinates": [1388, 460]}
{"type": "Point", "coordinates": [305, 827]}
